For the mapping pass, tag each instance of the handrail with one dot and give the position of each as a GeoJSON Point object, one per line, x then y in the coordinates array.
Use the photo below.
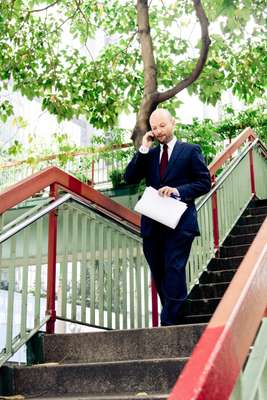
{"type": "Point", "coordinates": [230, 333]}
{"type": "Point", "coordinates": [30, 220]}
{"type": "Point", "coordinates": [26, 214]}
{"type": "Point", "coordinates": [52, 206]}
{"type": "Point", "coordinates": [53, 175]}
{"type": "Point", "coordinates": [221, 178]}
{"type": "Point", "coordinates": [40, 180]}
{"type": "Point", "coordinates": [92, 152]}
{"type": "Point", "coordinates": [218, 162]}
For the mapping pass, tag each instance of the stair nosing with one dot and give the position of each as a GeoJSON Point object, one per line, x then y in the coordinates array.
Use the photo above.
{"type": "Point", "coordinates": [100, 363]}
{"type": "Point", "coordinates": [242, 235]}
{"type": "Point", "coordinates": [233, 246]}
{"type": "Point", "coordinates": [212, 284]}
{"type": "Point", "coordinates": [220, 270]}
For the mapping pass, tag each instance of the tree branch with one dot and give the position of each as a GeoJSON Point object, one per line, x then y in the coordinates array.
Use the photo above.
{"type": "Point", "coordinates": [205, 39]}
{"type": "Point", "coordinates": [45, 8]}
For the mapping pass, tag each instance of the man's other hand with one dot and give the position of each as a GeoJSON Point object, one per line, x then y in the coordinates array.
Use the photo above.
{"type": "Point", "coordinates": [168, 191]}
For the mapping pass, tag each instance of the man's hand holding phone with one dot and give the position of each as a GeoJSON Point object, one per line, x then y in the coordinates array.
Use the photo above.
{"type": "Point", "coordinates": [148, 139]}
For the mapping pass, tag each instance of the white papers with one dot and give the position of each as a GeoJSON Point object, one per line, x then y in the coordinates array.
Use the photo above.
{"type": "Point", "coordinates": [165, 210]}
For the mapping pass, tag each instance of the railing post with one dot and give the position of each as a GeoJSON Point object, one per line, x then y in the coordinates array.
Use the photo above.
{"type": "Point", "coordinates": [52, 254]}
{"type": "Point", "coordinates": [93, 173]}
{"type": "Point", "coordinates": [155, 313]}
{"type": "Point", "coordinates": [215, 218]}
{"type": "Point", "coordinates": [251, 165]}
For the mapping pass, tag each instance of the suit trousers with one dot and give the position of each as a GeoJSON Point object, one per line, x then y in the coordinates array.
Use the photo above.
{"type": "Point", "coordinates": [167, 253]}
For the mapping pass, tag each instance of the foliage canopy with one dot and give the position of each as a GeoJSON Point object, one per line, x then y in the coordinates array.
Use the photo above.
{"type": "Point", "coordinates": [40, 62]}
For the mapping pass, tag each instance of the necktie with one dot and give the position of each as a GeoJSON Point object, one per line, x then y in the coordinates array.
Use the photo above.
{"type": "Point", "coordinates": [163, 161]}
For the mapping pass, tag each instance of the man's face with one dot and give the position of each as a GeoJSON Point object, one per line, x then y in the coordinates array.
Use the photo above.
{"type": "Point", "coordinates": [162, 125]}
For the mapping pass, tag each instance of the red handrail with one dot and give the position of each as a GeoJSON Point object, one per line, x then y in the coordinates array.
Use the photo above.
{"type": "Point", "coordinates": [40, 180]}
{"type": "Point", "coordinates": [54, 176]}
{"type": "Point", "coordinates": [90, 152]}
{"type": "Point", "coordinates": [227, 153]}
{"type": "Point", "coordinates": [221, 352]}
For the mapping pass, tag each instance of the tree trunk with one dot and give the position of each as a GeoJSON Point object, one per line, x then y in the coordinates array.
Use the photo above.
{"type": "Point", "coordinates": [152, 97]}
{"type": "Point", "coordinates": [149, 101]}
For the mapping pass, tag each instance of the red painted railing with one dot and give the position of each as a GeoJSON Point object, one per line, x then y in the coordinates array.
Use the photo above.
{"type": "Point", "coordinates": [217, 163]}
{"type": "Point", "coordinates": [54, 177]}
{"type": "Point", "coordinates": [221, 352]}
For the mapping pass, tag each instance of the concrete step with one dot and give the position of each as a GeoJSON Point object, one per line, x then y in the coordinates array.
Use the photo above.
{"type": "Point", "coordinates": [224, 263]}
{"type": "Point", "coordinates": [261, 210]}
{"type": "Point", "coordinates": [258, 203]}
{"type": "Point", "coordinates": [127, 377]}
{"type": "Point", "coordinates": [201, 306]}
{"type": "Point", "coordinates": [135, 344]}
{"type": "Point", "coordinates": [234, 240]}
{"type": "Point", "coordinates": [207, 291]}
{"type": "Point", "coordinates": [232, 251]}
{"type": "Point", "coordinates": [217, 276]}
{"type": "Point", "coordinates": [251, 220]}
{"type": "Point", "coordinates": [135, 396]}
{"type": "Point", "coordinates": [245, 229]}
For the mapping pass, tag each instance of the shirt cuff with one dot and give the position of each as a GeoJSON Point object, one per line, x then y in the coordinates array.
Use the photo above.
{"type": "Point", "coordinates": [177, 194]}
{"type": "Point", "coordinates": [143, 149]}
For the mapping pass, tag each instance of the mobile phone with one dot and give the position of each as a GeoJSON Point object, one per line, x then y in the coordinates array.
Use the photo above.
{"type": "Point", "coordinates": [152, 137]}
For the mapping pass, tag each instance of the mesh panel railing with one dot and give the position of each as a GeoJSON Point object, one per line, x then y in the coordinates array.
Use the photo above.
{"type": "Point", "coordinates": [23, 279]}
{"type": "Point", "coordinates": [103, 276]}
{"type": "Point", "coordinates": [94, 168]}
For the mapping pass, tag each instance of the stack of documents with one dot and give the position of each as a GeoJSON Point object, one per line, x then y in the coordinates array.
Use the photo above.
{"type": "Point", "coordinates": [165, 210]}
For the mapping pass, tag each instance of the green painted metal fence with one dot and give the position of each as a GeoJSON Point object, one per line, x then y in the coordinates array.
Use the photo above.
{"type": "Point", "coordinates": [23, 272]}
{"type": "Point", "coordinates": [252, 383]}
{"type": "Point", "coordinates": [260, 165]}
{"type": "Point", "coordinates": [233, 191]}
{"type": "Point", "coordinates": [102, 276]}
{"type": "Point", "coordinates": [92, 167]}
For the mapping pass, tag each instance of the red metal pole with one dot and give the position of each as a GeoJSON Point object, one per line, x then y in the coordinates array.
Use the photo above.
{"type": "Point", "coordinates": [52, 254]}
{"type": "Point", "coordinates": [215, 218]}
{"type": "Point", "coordinates": [252, 175]}
{"type": "Point", "coordinates": [155, 312]}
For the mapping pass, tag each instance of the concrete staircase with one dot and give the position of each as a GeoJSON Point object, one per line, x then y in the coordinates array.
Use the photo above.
{"type": "Point", "coordinates": [142, 363]}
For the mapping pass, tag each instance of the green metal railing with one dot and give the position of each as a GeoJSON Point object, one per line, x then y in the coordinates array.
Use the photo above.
{"type": "Point", "coordinates": [102, 277]}
{"type": "Point", "coordinates": [94, 167]}
{"type": "Point", "coordinates": [252, 383]}
{"type": "Point", "coordinates": [260, 165]}
{"type": "Point", "coordinates": [23, 272]}
{"type": "Point", "coordinates": [233, 192]}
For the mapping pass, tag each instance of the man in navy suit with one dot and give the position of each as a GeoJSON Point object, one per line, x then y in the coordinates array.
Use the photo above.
{"type": "Point", "coordinates": [176, 169]}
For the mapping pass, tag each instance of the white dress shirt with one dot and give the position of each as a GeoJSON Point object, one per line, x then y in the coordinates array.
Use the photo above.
{"type": "Point", "coordinates": [171, 144]}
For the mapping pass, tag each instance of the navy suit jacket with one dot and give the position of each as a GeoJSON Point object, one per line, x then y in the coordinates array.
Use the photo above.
{"type": "Point", "coordinates": [186, 171]}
